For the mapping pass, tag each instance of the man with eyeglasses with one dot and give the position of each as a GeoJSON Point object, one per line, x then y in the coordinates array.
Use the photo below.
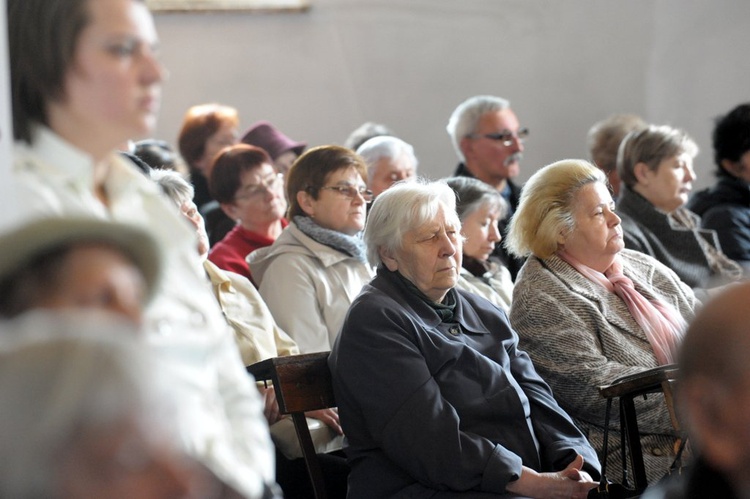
{"type": "Point", "coordinates": [488, 139]}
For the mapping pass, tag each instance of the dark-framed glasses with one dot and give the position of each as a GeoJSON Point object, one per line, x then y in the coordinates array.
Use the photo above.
{"type": "Point", "coordinates": [349, 191]}
{"type": "Point", "coordinates": [266, 185]}
{"type": "Point", "coordinates": [506, 137]}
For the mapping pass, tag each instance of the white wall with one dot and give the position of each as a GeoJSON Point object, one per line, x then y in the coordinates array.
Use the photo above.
{"type": "Point", "coordinates": [408, 63]}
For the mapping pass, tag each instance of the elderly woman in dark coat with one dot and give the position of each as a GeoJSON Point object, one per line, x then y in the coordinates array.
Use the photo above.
{"type": "Point", "coordinates": [435, 397]}
{"type": "Point", "coordinates": [656, 167]}
{"type": "Point", "coordinates": [589, 311]}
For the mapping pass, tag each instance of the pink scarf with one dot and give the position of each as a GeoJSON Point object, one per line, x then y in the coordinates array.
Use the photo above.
{"type": "Point", "coordinates": [661, 322]}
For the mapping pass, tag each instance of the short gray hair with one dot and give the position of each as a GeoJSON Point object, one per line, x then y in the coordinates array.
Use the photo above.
{"type": "Point", "coordinates": [385, 146]}
{"type": "Point", "coordinates": [465, 118]}
{"type": "Point", "coordinates": [365, 132]}
{"type": "Point", "coordinates": [473, 194]}
{"type": "Point", "coordinates": [404, 207]}
{"type": "Point", "coordinates": [174, 185]}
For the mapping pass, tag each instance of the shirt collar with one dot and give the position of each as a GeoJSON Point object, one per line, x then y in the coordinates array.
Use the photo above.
{"type": "Point", "coordinates": [54, 150]}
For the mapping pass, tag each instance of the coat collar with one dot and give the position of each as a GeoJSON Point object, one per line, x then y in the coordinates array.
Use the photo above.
{"type": "Point", "coordinates": [464, 313]}
{"type": "Point", "coordinates": [611, 306]}
{"type": "Point", "coordinates": [293, 240]}
{"type": "Point", "coordinates": [639, 208]}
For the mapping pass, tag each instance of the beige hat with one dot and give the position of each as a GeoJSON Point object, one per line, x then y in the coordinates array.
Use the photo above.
{"type": "Point", "coordinates": [22, 244]}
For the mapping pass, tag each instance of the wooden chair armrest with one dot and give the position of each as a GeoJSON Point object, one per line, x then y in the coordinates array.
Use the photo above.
{"type": "Point", "coordinates": [643, 382]}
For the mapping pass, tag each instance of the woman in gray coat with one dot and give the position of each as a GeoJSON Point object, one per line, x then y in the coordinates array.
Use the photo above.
{"type": "Point", "coordinates": [589, 311]}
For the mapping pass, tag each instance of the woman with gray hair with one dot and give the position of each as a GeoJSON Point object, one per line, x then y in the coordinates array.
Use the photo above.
{"type": "Point", "coordinates": [656, 167]}
{"type": "Point", "coordinates": [389, 159]}
{"type": "Point", "coordinates": [479, 208]}
{"type": "Point", "coordinates": [589, 311]}
{"type": "Point", "coordinates": [435, 398]}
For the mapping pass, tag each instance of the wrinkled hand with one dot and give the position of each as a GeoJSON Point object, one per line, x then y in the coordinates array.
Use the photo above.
{"type": "Point", "coordinates": [190, 211]}
{"type": "Point", "coordinates": [329, 417]}
{"type": "Point", "coordinates": [270, 405]}
{"type": "Point", "coordinates": [566, 484]}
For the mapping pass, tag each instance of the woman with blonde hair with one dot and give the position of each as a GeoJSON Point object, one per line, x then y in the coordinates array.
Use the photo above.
{"type": "Point", "coordinates": [589, 311]}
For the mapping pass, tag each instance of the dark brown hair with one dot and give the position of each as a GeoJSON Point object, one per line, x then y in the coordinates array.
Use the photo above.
{"type": "Point", "coordinates": [311, 171]}
{"type": "Point", "coordinates": [230, 164]}
{"type": "Point", "coordinates": [42, 40]}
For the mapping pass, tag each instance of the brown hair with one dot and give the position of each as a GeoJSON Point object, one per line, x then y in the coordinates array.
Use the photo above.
{"type": "Point", "coordinates": [198, 125]}
{"type": "Point", "coordinates": [311, 170]}
{"type": "Point", "coordinates": [42, 40]}
{"type": "Point", "coordinates": [605, 136]}
{"type": "Point", "coordinates": [229, 166]}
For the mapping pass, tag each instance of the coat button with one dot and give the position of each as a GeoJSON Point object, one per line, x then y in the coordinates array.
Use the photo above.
{"type": "Point", "coordinates": [656, 451]}
{"type": "Point", "coordinates": [454, 330]}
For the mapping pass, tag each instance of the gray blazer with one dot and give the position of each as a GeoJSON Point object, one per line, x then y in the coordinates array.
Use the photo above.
{"type": "Point", "coordinates": [653, 232]}
{"type": "Point", "coordinates": [581, 337]}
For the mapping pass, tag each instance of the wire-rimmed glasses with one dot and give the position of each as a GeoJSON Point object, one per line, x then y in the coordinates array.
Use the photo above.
{"type": "Point", "coordinates": [351, 192]}
{"type": "Point", "coordinates": [506, 137]}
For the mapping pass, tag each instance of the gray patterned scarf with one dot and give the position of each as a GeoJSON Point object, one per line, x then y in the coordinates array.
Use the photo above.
{"type": "Point", "coordinates": [351, 245]}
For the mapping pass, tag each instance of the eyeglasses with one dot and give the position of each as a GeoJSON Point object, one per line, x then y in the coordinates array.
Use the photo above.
{"type": "Point", "coordinates": [351, 192]}
{"type": "Point", "coordinates": [505, 137]}
{"type": "Point", "coordinates": [256, 190]}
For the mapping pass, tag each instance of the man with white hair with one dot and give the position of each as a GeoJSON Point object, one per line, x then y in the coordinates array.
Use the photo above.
{"type": "Point", "coordinates": [488, 140]}
{"type": "Point", "coordinates": [389, 160]}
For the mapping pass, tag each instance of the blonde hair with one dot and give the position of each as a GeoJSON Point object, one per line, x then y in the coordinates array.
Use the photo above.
{"type": "Point", "coordinates": [546, 207]}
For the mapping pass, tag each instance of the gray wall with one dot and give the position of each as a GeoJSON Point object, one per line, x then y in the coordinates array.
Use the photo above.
{"type": "Point", "coordinates": [408, 63]}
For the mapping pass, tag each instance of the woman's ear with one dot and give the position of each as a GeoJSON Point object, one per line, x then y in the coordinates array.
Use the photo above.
{"type": "Point", "coordinates": [306, 202]}
{"type": "Point", "coordinates": [230, 210]}
{"type": "Point", "coordinates": [642, 172]}
{"type": "Point", "coordinates": [387, 259]}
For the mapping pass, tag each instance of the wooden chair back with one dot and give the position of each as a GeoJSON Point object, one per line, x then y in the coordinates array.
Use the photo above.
{"type": "Point", "coordinates": [302, 383]}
